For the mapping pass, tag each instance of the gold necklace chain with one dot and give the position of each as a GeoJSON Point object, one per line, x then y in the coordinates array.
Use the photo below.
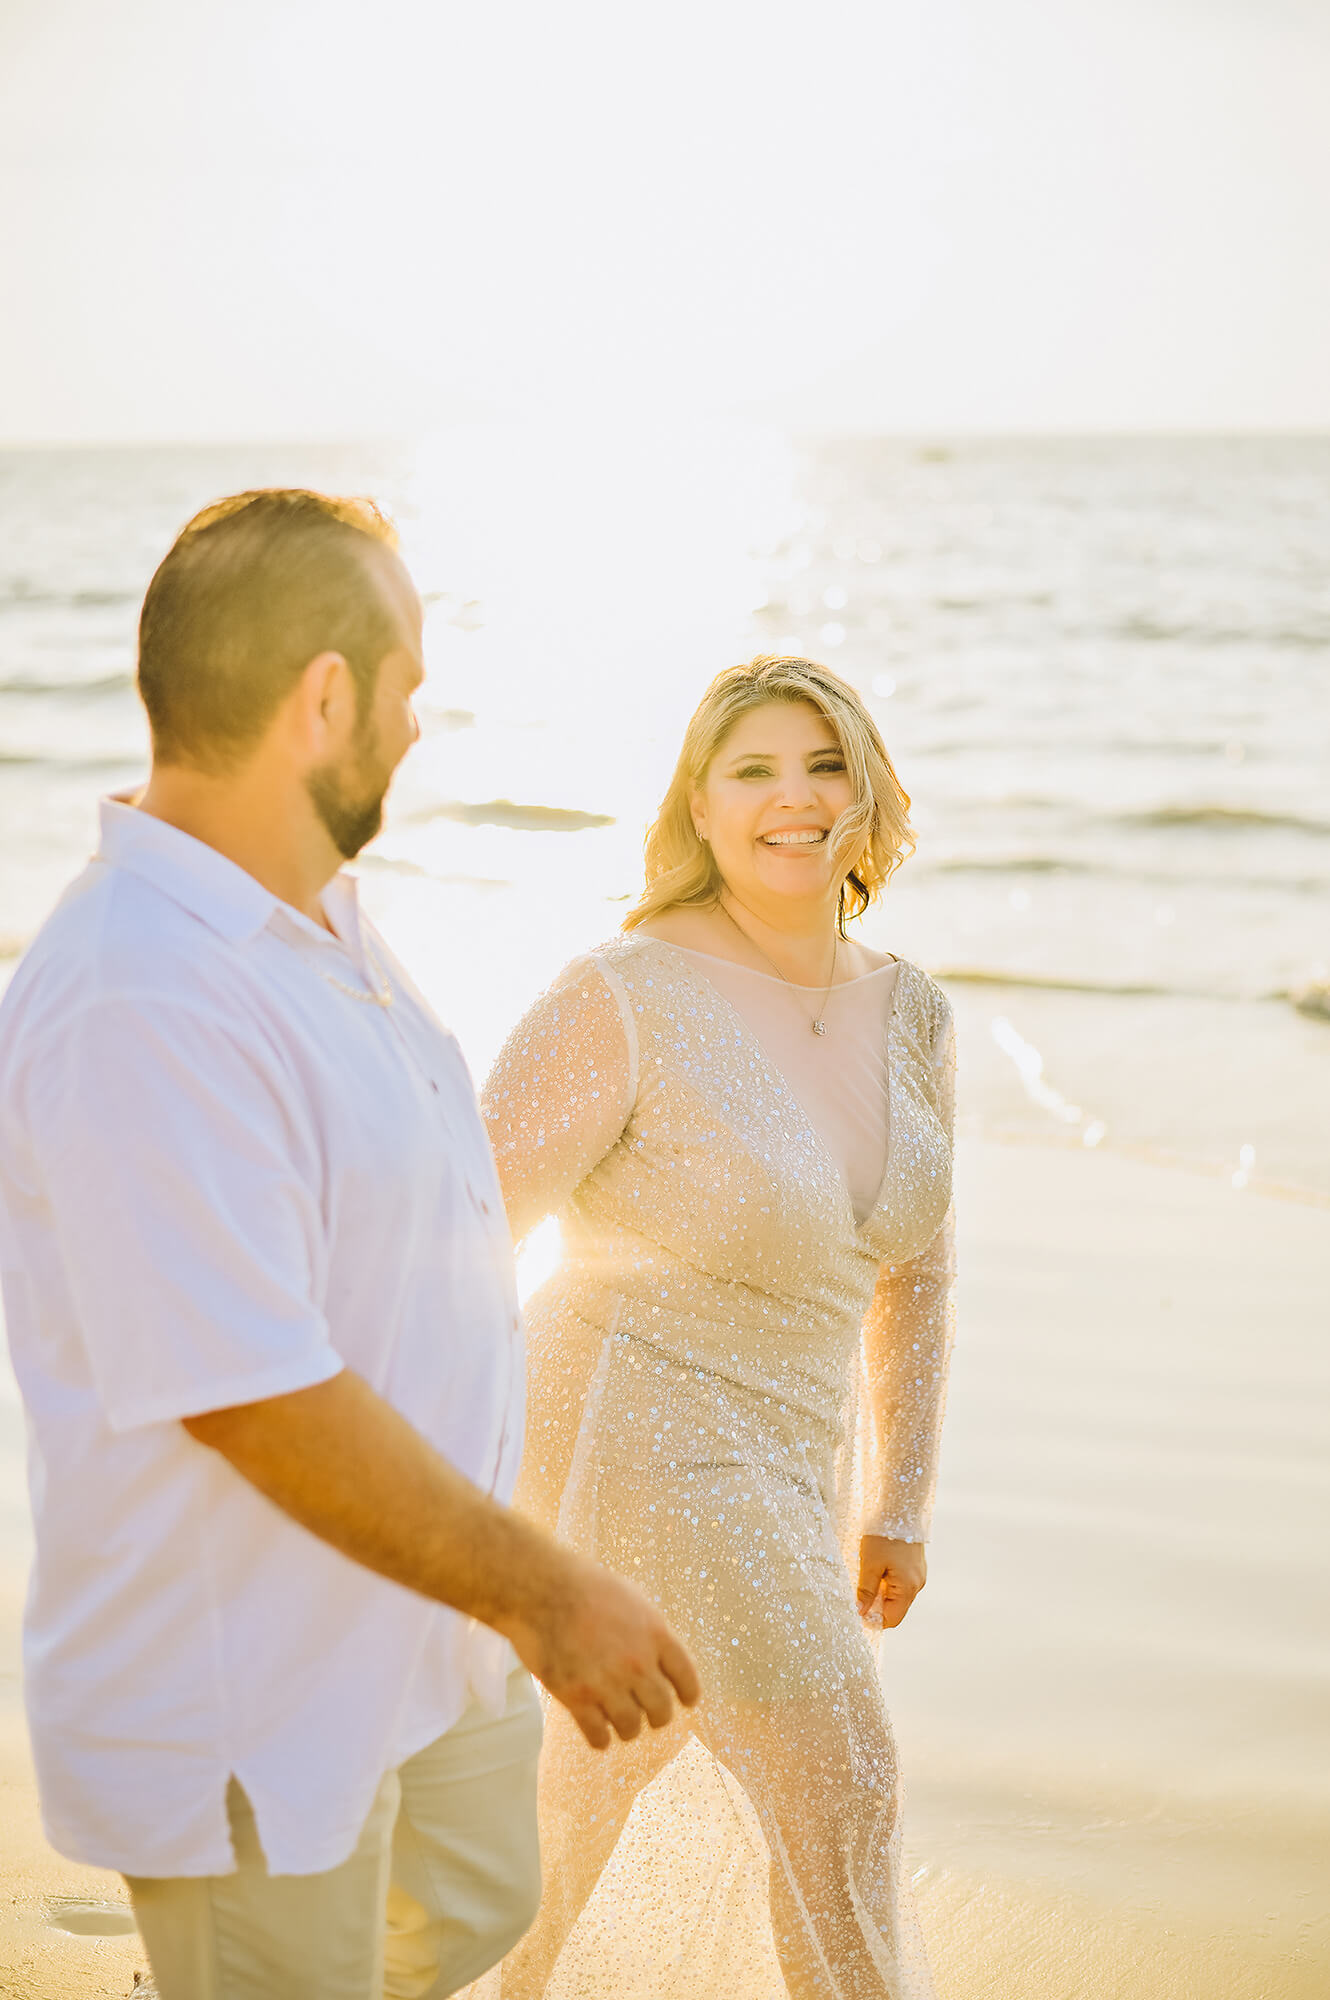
{"type": "Point", "coordinates": [817, 1024]}
{"type": "Point", "coordinates": [380, 996]}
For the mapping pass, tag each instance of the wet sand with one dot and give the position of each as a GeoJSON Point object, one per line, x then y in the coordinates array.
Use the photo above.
{"type": "Point", "coordinates": [37, 1960]}
{"type": "Point", "coordinates": [1111, 1699]}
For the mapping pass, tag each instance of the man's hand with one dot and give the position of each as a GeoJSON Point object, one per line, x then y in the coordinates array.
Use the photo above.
{"type": "Point", "coordinates": [891, 1575]}
{"type": "Point", "coordinates": [352, 1470]}
{"type": "Point", "coordinates": [605, 1652]}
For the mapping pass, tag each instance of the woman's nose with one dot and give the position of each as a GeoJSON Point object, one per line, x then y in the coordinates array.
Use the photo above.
{"type": "Point", "coordinates": [795, 793]}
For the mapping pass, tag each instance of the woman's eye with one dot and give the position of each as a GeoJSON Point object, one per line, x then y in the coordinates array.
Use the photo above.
{"type": "Point", "coordinates": [755, 771]}
{"type": "Point", "coordinates": [825, 770]}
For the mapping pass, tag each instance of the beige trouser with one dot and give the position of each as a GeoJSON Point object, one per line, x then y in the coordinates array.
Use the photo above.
{"type": "Point", "coordinates": [444, 1880]}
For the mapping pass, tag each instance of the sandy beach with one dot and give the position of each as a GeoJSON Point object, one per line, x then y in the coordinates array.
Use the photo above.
{"type": "Point", "coordinates": [38, 1961]}
{"type": "Point", "coordinates": [1111, 1701]}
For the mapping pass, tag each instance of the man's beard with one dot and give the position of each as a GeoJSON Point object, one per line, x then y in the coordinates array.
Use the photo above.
{"type": "Point", "coordinates": [349, 801]}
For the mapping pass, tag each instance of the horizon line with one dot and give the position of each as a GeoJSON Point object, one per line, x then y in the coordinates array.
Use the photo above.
{"type": "Point", "coordinates": [796, 433]}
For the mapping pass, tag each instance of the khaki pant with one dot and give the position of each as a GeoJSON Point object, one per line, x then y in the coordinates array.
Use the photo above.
{"type": "Point", "coordinates": [444, 1880]}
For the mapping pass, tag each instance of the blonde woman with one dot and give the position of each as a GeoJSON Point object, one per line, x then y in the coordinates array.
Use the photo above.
{"type": "Point", "coordinates": [742, 1117]}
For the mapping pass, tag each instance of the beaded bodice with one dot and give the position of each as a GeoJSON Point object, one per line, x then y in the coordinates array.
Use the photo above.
{"type": "Point", "coordinates": [704, 1217]}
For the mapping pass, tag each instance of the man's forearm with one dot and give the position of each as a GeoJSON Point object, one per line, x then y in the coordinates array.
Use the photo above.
{"type": "Point", "coordinates": [347, 1466]}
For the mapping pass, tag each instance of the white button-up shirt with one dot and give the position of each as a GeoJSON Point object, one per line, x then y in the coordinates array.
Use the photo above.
{"type": "Point", "coordinates": [222, 1178]}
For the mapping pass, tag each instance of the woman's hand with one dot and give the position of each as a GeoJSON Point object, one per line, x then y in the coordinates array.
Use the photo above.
{"type": "Point", "coordinates": [891, 1575]}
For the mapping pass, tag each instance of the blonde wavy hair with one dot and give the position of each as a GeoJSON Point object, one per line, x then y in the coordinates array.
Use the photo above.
{"type": "Point", "coordinates": [869, 840]}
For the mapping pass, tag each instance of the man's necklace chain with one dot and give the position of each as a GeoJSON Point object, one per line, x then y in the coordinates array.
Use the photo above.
{"type": "Point", "coordinates": [380, 993]}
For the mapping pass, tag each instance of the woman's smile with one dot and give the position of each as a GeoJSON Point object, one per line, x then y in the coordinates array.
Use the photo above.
{"type": "Point", "coordinates": [803, 836]}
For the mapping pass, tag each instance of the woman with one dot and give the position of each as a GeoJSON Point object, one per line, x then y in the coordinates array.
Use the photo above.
{"type": "Point", "coordinates": [742, 1118]}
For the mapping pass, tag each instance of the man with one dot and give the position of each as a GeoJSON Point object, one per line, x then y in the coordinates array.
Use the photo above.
{"type": "Point", "coordinates": [261, 1308]}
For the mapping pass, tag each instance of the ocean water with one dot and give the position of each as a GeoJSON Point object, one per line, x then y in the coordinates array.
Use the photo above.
{"type": "Point", "coordinates": [1102, 668]}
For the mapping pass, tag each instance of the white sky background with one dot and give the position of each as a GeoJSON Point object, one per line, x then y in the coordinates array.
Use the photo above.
{"type": "Point", "coordinates": [326, 218]}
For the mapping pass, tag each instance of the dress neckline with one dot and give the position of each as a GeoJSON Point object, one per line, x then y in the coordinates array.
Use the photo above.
{"type": "Point", "coordinates": [774, 978]}
{"type": "Point", "coordinates": [750, 1035]}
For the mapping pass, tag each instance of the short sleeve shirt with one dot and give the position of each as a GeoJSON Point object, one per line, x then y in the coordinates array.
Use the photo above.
{"type": "Point", "coordinates": [225, 1174]}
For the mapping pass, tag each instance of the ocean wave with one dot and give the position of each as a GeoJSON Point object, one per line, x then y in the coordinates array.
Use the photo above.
{"type": "Point", "coordinates": [102, 761]}
{"type": "Point", "coordinates": [1220, 816]}
{"type": "Point", "coordinates": [525, 819]}
{"type": "Point", "coordinates": [19, 599]}
{"type": "Point", "coordinates": [397, 864]}
{"type": "Point", "coordinates": [1155, 878]}
{"type": "Point", "coordinates": [1312, 999]}
{"type": "Point", "coordinates": [119, 683]}
{"type": "Point", "coordinates": [1205, 813]}
{"type": "Point", "coordinates": [983, 975]}
{"type": "Point", "coordinates": [1011, 864]}
{"type": "Point", "coordinates": [1162, 631]}
{"type": "Point", "coordinates": [1156, 749]}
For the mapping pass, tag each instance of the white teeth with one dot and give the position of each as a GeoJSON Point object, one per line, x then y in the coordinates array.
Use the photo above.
{"type": "Point", "coordinates": [813, 838]}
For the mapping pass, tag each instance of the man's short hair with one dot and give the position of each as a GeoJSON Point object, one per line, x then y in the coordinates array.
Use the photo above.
{"type": "Point", "coordinates": [252, 590]}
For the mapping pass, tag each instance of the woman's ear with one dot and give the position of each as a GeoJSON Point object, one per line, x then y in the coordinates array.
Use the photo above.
{"type": "Point", "coordinates": [698, 811]}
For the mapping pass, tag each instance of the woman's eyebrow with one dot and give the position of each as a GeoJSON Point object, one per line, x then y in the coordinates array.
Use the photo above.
{"type": "Point", "coordinates": [769, 756]}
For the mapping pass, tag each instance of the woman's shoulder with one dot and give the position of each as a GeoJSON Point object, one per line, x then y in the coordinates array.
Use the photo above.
{"type": "Point", "coordinates": [921, 1002]}
{"type": "Point", "coordinates": [610, 963]}
{"type": "Point", "coordinates": [587, 1003]}
{"type": "Point", "coordinates": [618, 950]}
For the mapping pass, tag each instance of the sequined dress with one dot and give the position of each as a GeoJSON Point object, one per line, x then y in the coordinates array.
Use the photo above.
{"type": "Point", "coordinates": [731, 1379]}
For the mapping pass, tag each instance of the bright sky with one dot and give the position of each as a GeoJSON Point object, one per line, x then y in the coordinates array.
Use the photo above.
{"type": "Point", "coordinates": [244, 218]}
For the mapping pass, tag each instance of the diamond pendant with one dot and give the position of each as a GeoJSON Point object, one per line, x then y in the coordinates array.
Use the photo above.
{"type": "Point", "coordinates": [819, 1027]}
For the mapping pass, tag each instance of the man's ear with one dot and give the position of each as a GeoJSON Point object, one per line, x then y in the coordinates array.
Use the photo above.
{"type": "Point", "coordinates": [323, 706]}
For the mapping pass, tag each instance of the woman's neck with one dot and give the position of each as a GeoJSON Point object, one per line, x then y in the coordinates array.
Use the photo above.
{"type": "Point", "coordinates": [800, 941]}
{"type": "Point", "coordinates": [802, 954]}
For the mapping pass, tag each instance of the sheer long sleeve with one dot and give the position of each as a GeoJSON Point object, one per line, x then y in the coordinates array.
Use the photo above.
{"type": "Point", "coordinates": [561, 1090]}
{"type": "Point", "coordinates": [907, 1335]}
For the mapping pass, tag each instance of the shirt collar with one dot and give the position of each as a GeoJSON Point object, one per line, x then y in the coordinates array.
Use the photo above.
{"type": "Point", "coordinates": [217, 891]}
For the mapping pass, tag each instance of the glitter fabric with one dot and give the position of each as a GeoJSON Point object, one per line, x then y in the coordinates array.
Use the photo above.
{"type": "Point", "coordinates": [730, 1380]}
{"type": "Point", "coordinates": [839, 1077]}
